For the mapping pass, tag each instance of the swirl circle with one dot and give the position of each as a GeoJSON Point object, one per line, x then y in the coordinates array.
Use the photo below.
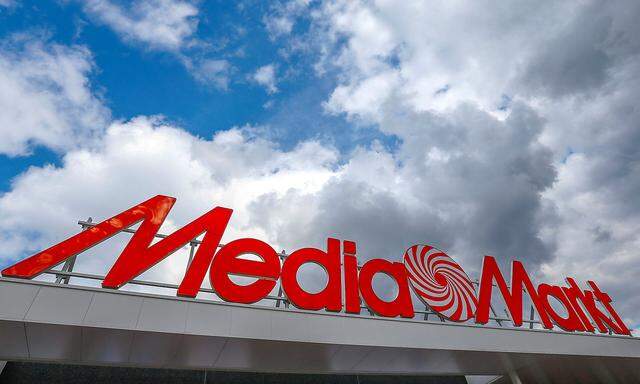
{"type": "Point", "coordinates": [440, 282]}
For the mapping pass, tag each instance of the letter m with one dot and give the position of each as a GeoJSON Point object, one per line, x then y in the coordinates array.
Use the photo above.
{"type": "Point", "coordinates": [139, 255]}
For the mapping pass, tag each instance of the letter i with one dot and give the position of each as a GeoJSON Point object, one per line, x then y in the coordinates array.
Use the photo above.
{"type": "Point", "coordinates": [352, 295]}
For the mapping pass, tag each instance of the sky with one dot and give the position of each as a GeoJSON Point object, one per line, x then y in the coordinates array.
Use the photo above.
{"type": "Point", "coordinates": [485, 128]}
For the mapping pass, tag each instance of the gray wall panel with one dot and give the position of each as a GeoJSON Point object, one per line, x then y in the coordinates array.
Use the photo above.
{"type": "Point", "coordinates": [54, 342]}
{"type": "Point", "coordinates": [106, 346]}
{"type": "Point", "coordinates": [162, 315]}
{"type": "Point", "coordinates": [154, 349]}
{"type": "Point", "coordinates": [113, 310]}
{"type": "Point", "coordinates": [13, 340]}
{"type": "Point", "coordinates": [15, 300]}
{"type": "Point", "coordinates": [59, 305]}
{"type": "Point", "coordinates": [327, 329]}
{"type": "Point", "coordinates": [288, 326]}
{"type": "Point", "coordinates": [348, 356]}
{"type": "Point", "coordinates": [197, 351]}
{"type": "Point", "coordinates": [210, 320]}
{"type": "Point", "coordinates": [250, 323]}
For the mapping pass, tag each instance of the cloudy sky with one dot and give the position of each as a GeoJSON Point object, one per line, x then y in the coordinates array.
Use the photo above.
{"type": "Point", "coordinates": [502, 128]}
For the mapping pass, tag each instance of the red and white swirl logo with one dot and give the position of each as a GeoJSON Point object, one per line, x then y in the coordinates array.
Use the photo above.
{"type": "Point", "coordinates": [440, 282]}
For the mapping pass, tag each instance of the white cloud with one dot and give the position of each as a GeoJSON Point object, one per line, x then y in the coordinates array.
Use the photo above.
{"type": "Point", "coordinates": [158, 24]}
{"type": "Point", "coordinates": [164, 25]}
{"type": "Point", "coordinates": [209, 71]}
{"type": "Point", "coordinates": [145, 157]}
{"type": "Point", "coordinates": [282, 17]}
{"type": "Point", "coordinates": [7, 3]}
{"type": "Point", "coordinates": [385, 201]}
{"type": "Point", "coordinates": [365, 100]}
{"type": "Point", "coordinates": [46, 97]}
{"type": "Point", "coordinates": [279, 25]}
{"type": "Point", "coordinates": [266, 76]}
{"type": "Point", "coordinates": [436, 64]}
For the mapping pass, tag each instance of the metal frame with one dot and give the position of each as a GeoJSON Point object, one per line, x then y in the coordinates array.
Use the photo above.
{"type": "Point", "coordinates": [65, 273]}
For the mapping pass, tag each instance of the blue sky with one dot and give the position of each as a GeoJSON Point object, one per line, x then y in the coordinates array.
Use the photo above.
{"type": "Point", "coordinates": [133, 80]}
{"type": "Point", "coordinates": [462, 125]}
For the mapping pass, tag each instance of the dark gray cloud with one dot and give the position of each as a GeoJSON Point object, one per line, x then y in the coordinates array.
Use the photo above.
{"type": "Point", "coordinates": [550, 177]}
{"type": "Point", "coordinates": [573, 61]}
{"type": "Point", "coordinates": [582, 56]}
{"type": "Point", "coordinates": [467, 183]}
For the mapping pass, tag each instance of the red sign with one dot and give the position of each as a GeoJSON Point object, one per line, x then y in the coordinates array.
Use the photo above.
{"type": "Point", "coordinates": [434, 277]}
{"type": "Point", "coordinates": [440, 282]}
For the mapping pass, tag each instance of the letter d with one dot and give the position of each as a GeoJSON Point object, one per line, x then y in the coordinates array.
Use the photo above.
{"type": "Point", "coordinates": [330, 298]}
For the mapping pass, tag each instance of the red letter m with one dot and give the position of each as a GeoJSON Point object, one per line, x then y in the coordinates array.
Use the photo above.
{"type": "Point", "coordinates": [139, 255]}
{"type": "Point", "coordinates": [513, 299]}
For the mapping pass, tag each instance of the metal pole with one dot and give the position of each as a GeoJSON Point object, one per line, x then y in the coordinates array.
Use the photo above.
{"type": "Point", "coordinates": [280, 292]}
{"type": "Point", "coordinates": [495, 315]}
{"type": "Point", "coordinates": [192, 249]}
{"type": "Point", "coordinates": [531, 318]}
{"type": "Point", "coordinates": [68, 265]}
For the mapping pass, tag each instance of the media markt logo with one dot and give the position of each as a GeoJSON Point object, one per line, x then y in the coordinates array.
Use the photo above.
{"type": "Point", "coordinates": [433, 276]}
{"type": "Point", "coordinates": [440, 282]}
